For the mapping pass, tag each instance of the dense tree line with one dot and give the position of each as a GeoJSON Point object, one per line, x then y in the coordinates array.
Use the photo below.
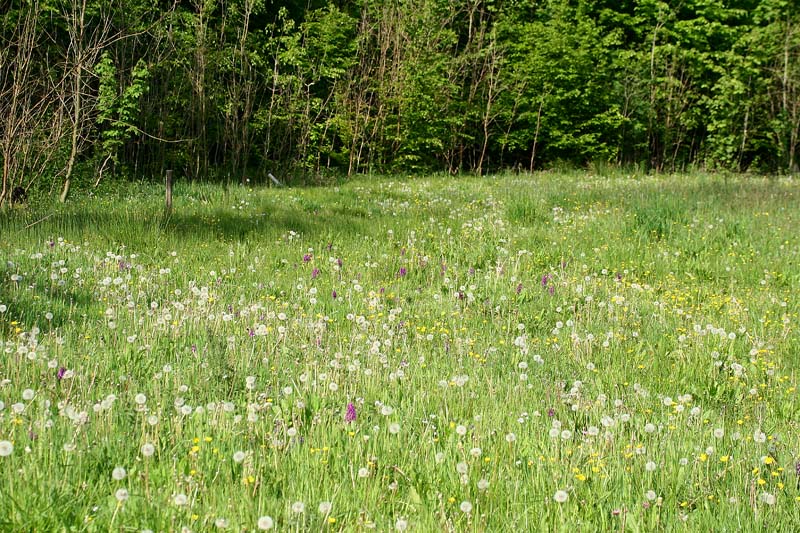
{"type": "Point", "coordinates": [234, 89]}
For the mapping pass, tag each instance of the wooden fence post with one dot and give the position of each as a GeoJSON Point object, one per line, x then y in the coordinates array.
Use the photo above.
{"type": "Point", "coordinates": [168, 197]}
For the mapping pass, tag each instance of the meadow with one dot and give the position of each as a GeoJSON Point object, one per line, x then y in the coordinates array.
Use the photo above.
{"type": "Point", "coordinates": [555, 352]}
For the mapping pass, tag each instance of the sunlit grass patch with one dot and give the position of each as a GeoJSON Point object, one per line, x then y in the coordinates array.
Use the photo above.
{"type": "Point", "coordinates": [479, 354]}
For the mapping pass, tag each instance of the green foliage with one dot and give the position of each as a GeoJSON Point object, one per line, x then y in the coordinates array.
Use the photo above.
{"type": "Point", "coordinates": [117, 106]}
{"type": "Point", "coordinates": [234, 90]}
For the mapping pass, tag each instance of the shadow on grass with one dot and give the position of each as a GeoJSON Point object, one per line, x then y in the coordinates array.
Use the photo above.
{"type": "Point", "coordinates": [144, 229]}
{"type": "Point", "coordinates": [31, 298]}
{"type": "Point", "coordinates": [224, 225]}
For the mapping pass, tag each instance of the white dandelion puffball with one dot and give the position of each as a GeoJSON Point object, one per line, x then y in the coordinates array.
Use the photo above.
{"type": "Point", "coordinates": [148, 449]}
{"type": "Point", "coordinates": [239, 456]}
{"type": "Point", "coordinates": [466, 507]}
{"type": "Point", "coordinates": [561, 496]}
{"type": "Point", "coordinates": [265, 522]}
{"type": "Point", "coordinates": [298, 507]}
{"type": "Point", "coordinates": [6, 448]}
{"type": "Point", "coordinates": [121, 495]}
{"type": "Point", "coordinates": [118, 474]}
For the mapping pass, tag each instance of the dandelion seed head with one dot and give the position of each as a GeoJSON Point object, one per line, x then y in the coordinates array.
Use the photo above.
{"type": "Point", "coordinates": [6, 448]}
{"type": "Point", "coordinates": [265, 522]}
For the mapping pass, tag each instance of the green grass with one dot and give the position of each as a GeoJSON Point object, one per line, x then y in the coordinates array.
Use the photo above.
{"type": "Point", "coordinates": [649, 324]}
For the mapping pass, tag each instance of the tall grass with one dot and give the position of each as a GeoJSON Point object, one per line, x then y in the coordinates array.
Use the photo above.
{"type": "Point", "coordinates": [549, 352]}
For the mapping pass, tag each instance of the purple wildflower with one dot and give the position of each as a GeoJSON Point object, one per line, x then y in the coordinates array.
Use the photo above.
{"type": "Point", "coordinates": [350, 415]}
{"type": "Point", "coordinates": [60, 373]}
{"type": "Point", "coordinates": [307, 258]}
{"type": "Point", "coordinates": [519, 288]}
{"type": "Point", "coordinates": [251, 332]}
{"type": "Point", "coordinates": [314, 273]}
{"type": "Point", "coordinates": [545, 279]}
{"type": "Point", "coordinates": [339, 262]}
{"type": "Point", "coordinates": [402, 272]}
{"type": "Point", "coordinates": [333, 294]}
{"type": "Point", "coordinates": [551, 412]}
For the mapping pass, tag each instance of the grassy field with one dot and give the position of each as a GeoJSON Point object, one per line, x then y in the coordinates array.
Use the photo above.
{"type": "Point", "coordinates": [519, 353]}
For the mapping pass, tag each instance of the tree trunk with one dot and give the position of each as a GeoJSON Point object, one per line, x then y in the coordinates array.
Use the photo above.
{"type": "Point", "coordinates": [76, 116]}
